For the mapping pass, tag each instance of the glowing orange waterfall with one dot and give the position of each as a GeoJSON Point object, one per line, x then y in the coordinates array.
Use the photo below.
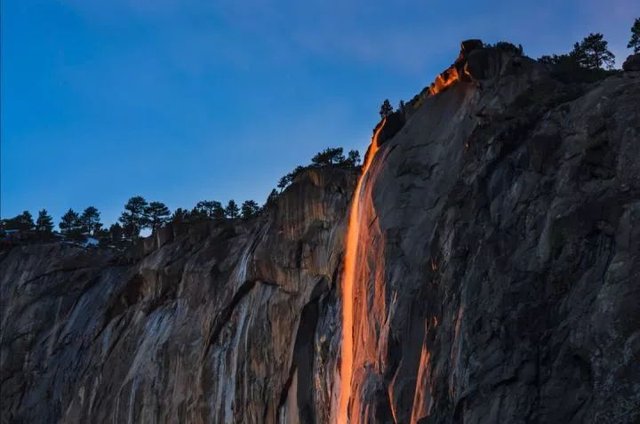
{"type": "Point", "coordinates": [351, 271]}
{"type": "Point", "coordinates": [365, 312]}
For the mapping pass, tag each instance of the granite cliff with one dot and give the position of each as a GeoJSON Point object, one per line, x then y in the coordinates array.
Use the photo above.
{"type": "Point", "coordinates": [497, 280]}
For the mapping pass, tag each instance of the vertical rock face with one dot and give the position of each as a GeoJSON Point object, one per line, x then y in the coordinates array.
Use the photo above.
{"type": "Point", "coordinates": [510, 208]}
{"type": "Point", "coordinates": [503, 280]}
{"type": "Point", "coordinates": [214, 326]}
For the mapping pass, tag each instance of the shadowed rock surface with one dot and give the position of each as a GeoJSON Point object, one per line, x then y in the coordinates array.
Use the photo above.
{"type": "Point", "coordinates": [509, 208]}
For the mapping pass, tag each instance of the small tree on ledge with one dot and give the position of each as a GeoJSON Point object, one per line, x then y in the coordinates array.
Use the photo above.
{"type": "Point", "coordinates": [232, 210]}
{"type": "Point", "coordinates": [329, 156]}
{"type": "Point", "coordinates": [634, 43]}
{"type": "Point", "coordinates": [593, 53]}
{"type": "Point", "coordinates": [386, 109]}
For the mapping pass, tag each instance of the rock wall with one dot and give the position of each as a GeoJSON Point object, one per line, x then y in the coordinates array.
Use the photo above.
{"type": "Point", "coordinates": [205, 328]}
{"type": "Point", "coordinates": [508, 207]}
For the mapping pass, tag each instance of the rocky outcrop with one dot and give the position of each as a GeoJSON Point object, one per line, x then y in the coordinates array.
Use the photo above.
{"type": "Point", "coordinates": [509, 207]}
{"type": "Point", "coordinates": [508, 212]}
{"type": "Point", "coordinates": [632, 63]}
{"type": "Point", "coordinates": [210, 327]}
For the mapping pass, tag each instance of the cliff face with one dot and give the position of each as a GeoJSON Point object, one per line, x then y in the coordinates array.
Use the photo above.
{"type": "Point", "coordinates": [501, 284]}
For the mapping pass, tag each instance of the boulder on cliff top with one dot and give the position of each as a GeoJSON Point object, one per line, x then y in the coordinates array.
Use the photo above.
{"type": "Point", "coordinates": [632, 63]}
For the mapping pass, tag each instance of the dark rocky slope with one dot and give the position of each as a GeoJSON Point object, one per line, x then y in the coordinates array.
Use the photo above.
{"type": "Point", "coordinates": [509, 209]}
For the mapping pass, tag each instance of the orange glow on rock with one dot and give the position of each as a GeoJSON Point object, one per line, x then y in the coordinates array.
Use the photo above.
{"type": "Point", "coordinates": [444, 80]}
{"type": "Point", "coordinates": [364, 346]}
{"type": "Point", "coordinates": [352, 269]}
{"type": "Point", "coordinates": [422, 396]}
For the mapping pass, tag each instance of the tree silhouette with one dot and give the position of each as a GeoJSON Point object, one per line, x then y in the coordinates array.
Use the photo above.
{"type": "Point", "coordinates": [288, 179]}
{"type": "Point", "coordinates": [232, 211]}
{"type": "Point", "coordinates": [115, 233]}
{"type": "Point", "coordinates": [285, 181]}
{"type": "Point", "coordinates": [592, 52]}
{"type": "Point", "coordinates": [353, 158]}
{"type": "Point", "coordinates": [209, 209]}
{"type": "Point", "coordinates": [44, 223]}
{"type": "Point", "coordinates": [218, 212]}
{"type": "Point", "coordinates": [70, 225]}
{"type": "Point", "coordinates": [22, 222]}
{"type": "Point", "coordinates": [180, 215]}
{"type": "Point", "coordinates": [249, 209]}
{"type": "Point", "coordinates": [634, 43]}
{"type": "Point", "coordinates": [386, 109]}
{"type": "Point", "coordinates": [157, 214]}
{"type": "Point", "coordinates": [272, 198]}
{"type": "Point", "coordinates": [90, 221]}
{"type": "Point", "coordinates": [134, 218]}
{"type": "Point", "coordinates": [329, 156]}
{"type": "Point", "coordinates": [552, 59]}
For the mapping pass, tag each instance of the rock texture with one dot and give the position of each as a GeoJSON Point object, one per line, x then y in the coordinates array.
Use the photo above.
{"type": "Point", "coordinates": [632, 63]}
{"type": "Point", "coordinates": [212, 326]}
{"type": "Point", "coordinates": [508, 207]}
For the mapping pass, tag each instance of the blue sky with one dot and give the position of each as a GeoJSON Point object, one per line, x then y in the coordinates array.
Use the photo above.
{"type": "Point", "coordinates": [180, 100]}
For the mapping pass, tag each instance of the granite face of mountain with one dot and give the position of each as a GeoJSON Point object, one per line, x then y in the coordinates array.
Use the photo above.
{"type": "Point", "coordinates": [509, 211]}
{"type": "Point", "coordinates": [199, 329]}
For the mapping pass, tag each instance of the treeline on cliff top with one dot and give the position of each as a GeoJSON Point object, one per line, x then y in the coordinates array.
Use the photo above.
{"type": "Point", "coordinates": [589, 60]}
{"type": "Point", "coordinates": [86, 227]}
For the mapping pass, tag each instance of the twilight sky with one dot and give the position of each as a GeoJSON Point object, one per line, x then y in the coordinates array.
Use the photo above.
{"type": "Point", "coordinates": [184, 100]}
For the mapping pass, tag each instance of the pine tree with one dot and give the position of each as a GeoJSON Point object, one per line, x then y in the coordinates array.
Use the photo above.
{"type": "Point", "coordinates": [44, 223]}
{"type": "Point", "coordinates": [353, 158]}
{"type": "Point", "coordinates": [180, 215]}
{"type": "Point", "coordinates": [272, 198]}
{"type": "Point", "coordinates": [158, 214]}
{"type": "Point", "coordinates": [386, 109]}
{"type": "Point", "coordinates": [134, 218]}
{"type": "Point", "coordinates": [22, 222]}
{"type": "Point", "coordinates": [329, 156]}
{"type": "Point", "coordinates": [284, 182]}
{"type": "Point", "coordinates": [90, 221]}
{"type": "Point", "coordinates": [218, 213]}
{"type": "Point", "coordinates": [249, 209]}
{"type": "Point", "coordinates": [593, 52]}
{"type": "Point", "coordinates": [70, 225]}
{"type": "Point", "coordinates": [209, 209]}
{"type": "Point", "coordinates": [232, 211]}
{"type": "Point", "coordinates": [634, 43]}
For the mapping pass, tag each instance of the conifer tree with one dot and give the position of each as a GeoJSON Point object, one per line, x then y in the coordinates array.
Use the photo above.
{"type": "Point", "coordinates": [353, 158]}
{"type": "Point", "coordinates": [249, 209]}
{"type": "Point", "coordinates": [386, 109]}
{"type": "Point", "coordinates": [44, 223]}
{"type": "Point", "coordinates": [180, 215]}
{"type": "Point", "coordinates": [22, 222]}
{"type": "Point", "coordinates": [157, 214]}
{"type": "Point", "coordinates": [218, 213]}
{"type": "Point", "coordinates": [134, 218]}
{"type": "Point", "coordinates": [634, 43]}
{"type": "Point", "coordinates": [329, 156]}
{"type": "Point", "coordinates": [90, 221]}
{"type": "Point", "coordinates": [272, 198]}
{"type": "Point", "coordinates": [593, 53]}
{"type": "Point", "coordinates": [70, 225]}
{"type": "Point", "coordinates": [232, 211]}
